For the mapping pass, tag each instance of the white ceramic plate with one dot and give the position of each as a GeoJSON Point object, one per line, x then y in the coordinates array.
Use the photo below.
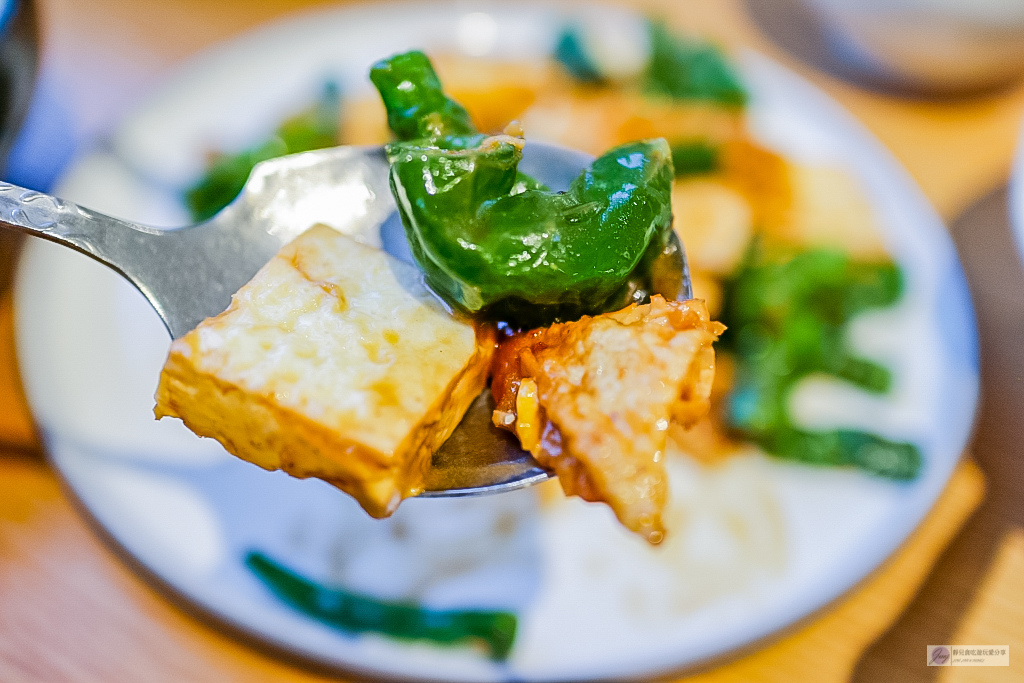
{"type": "Point", "coordinates": [758, 543]}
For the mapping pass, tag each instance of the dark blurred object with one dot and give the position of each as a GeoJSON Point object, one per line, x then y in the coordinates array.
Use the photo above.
{"type": "Point", "coordinates": [19, 58]}
{"type": "Point", "coordinates": [927, 48]}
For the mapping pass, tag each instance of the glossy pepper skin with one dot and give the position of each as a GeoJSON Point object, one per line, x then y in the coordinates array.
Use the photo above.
{"type": "Point", "coordinates": [417, 106]}
{"type": "Point", "coordinates": [494, 243]}
{"type": "Point", "coordinates": [487, 249]}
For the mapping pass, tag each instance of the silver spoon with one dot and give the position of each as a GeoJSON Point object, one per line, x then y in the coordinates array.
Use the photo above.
{"type": "Point", "coordinates": [189, 274]}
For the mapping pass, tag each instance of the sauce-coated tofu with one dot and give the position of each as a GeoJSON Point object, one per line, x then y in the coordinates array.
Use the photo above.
{"type": "Point", "coordinates": [593, 400]}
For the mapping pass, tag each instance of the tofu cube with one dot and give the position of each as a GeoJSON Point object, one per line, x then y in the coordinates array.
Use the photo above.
{"type": "Point", "coordinates": [333, 362]}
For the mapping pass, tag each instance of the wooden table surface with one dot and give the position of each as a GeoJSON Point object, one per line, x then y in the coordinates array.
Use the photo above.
{"type": "Point", "coordinates": [71, 609]}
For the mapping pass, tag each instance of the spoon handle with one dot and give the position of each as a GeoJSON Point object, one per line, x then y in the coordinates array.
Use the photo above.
{"type": "Point", "coordinates": [104, 238]}
{"type": "Point", "coordinates": [134, 251]}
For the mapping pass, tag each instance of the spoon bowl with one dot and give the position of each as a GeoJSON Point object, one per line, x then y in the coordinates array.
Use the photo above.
{"type": "Point", "coordinates": [189, 274]}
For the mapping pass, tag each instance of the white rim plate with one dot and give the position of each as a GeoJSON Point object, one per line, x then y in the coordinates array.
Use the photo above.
{"type": "Point", "coordinates": [593, 602]}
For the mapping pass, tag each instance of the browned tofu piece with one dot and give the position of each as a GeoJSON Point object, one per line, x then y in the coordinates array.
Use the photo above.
{"type": "Point", "coordinates": [334, 362]}
{"type": "Point", "coordinates": [593, 400]}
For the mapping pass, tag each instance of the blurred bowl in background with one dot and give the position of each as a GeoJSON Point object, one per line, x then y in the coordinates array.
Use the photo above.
{"type": "Point", "coordinates": [935, 47]}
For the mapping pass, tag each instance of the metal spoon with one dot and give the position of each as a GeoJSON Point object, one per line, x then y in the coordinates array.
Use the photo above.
{"type": "Point", "coordinates": [189, 274]}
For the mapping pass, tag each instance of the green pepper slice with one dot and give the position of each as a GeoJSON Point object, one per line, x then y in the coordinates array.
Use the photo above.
{"type": "Point", "coordinates": [417, 106]}
{"type": "Point", "coordinates": [355, 613]}
{"type": "Point", "coordinates": [486, 249]}
{"type": "Point", "coordinates": [687, 69]}
{"type": "Point", "coordinates": [695, 157]}
{"type": "Point", "coordinates": [679, 67]}
{"type": "Point", "coordinates": [493, 242]}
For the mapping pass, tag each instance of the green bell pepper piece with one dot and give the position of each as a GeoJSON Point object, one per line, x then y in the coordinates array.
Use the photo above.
{"type": "Point", "coordinates": [417, 106]}
{"type": "Point", "coordinates": [487, 249]}
{"type": "Point", "coordinates": [687, 69]}
{"type": "Point", "coordinates": [355, 613]}
{"type": "Point", "coordinates": [787, 316]}
{"type": "Point", "coordinates": [418, 110]}
{"type": "Point", "coordinates": [492, 241]}
{"type": "Point", "coordinates": [569, 52]}
{"type": "Point", "coordinates": [695, 157]}
{"type": "Point", "coordinates": [681, 68]}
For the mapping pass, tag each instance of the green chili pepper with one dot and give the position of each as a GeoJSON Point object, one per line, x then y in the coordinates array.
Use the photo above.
{"type": "Point", "coordinates": [417, 106]}
{"type": "Point", "coordinates": [315, 128]}
{"type": "Point", "coordinates": [355, 613]}
{"type": "Point", "coordinates": [894, 460]}
{"type": "Point", "coordinates": [787, 315]}
{"type": "Point", "coordinates": [569, 52]}
{"type": "Point", "coordinates": [493, 242]}
{"type": "Point", "coordinates": [694, 157]}
{"type": "Point", "coordinates": [678, 67]}
{"type": "Point", "coordinates": [686, 69]}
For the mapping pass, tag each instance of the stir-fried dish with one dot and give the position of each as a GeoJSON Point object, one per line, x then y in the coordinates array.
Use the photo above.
{"type": "Point", "coordinates": [336, 362]}
{"type": "Point", "coordinates": [565, 282]}
{"type": "Point", "coordinates": [329, 364]}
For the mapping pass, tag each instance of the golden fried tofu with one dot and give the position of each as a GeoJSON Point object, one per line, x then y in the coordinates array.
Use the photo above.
{"type": "Point", "coordinates": [829, 209]}
{"type": "Point", "coordinates": [714, 221]}
{"type": "Point", "coordinates": [364, 121]}
{"type": "Point", "coordinates": [593, 400]}
{"type": "Point", "coordinates": [761, 176]}
{"type": "Point", "coordinates": [496, 91]}
{"type": "Point", "coordinates": [708, 288]}
{"type": "Point", "coordinates": [594, 119]}
{"type": "Point", "coordinates": [333, 362]}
